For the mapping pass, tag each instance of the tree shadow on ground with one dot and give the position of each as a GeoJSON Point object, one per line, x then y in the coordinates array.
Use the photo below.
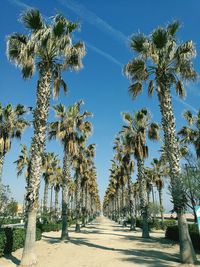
{"type": "Point", "coordinates": [12, 259]}
{"type": "Point", "coordinates": [52, 240]}
{"type": "Point", "coordinates": [144, 257]}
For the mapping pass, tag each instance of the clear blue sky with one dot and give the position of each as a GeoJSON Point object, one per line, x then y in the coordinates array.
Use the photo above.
{"type": "Point", "coordinates": [105, 27]}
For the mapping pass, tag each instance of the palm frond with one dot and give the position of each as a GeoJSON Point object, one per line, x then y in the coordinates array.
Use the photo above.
{"type": "Point", "coordinates": [136, 70]}
{"type": "Point", "coordinates": [32, 19]}
{"type": "Point", "coordinates": [135, 89]}
{"type": "Point", "coordinates": [160, 38]}
{"type": "Point", "coordinates": [154, 131]}
{"type": "Point", "coordinates": [151, 88]}
{"type": "Point", "coordinates": [187, 115]}
{"type": "Point", "coordinates": [173, 27]}
{"type": "Point", "coordinates": [137, 43]}
{"type": "Point", "coordinates": [180, 90]}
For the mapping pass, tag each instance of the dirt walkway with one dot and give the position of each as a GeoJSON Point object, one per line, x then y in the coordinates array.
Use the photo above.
{"type": "Point", "coordinates": [102, 244]}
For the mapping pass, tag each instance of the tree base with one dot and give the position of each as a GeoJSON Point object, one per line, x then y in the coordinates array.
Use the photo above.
{"type": "Point", "coordinates": [65, 237]}
{"type": "Point", "coordinates": [28, 261]}
{"type": "Point", "coordinates": [77, 228]}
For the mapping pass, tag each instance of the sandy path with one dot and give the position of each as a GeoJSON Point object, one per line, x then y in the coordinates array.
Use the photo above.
{"type": "Point", "coordinates": [102, 244]}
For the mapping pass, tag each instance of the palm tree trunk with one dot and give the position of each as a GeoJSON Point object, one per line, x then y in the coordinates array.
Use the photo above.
{"type": "Point", "coordinates": [130, 196]}
{"type": "Point", "coordinates": [78, 203]}
{"type": "Point", "coordinates": [51, 200]}
{"type": "Point", "coordinates": [65, 195]}
{"type": "Point", "coordinates": [45, 201]}
{"type": "Point", "coordinates": [57, 189]}
{"type": "Point", "coordinates": [37, 150]}
{"type": "Point", "coordinates": [161, 204]}
{"type": "Point", "coordinates": [187, 253]}
{"type": "Point", "coordinates": [123, 202]}
{"type": "Point", "coordinates": [118, 203]}
{"type": "Point", "coordinates": [1, 167]}
{"type": "Point", "coordinates": [86, 202]}
{"type": "Point", "coordinates": [143, 197]}
{"type": "Point", "coordinates": [84, 212]}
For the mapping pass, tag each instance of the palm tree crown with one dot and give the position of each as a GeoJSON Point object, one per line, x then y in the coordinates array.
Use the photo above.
{"type": "Point", "coordinates": [12, 125]}
{"type": "Point", "coordinates": [138, 126]}
{"type": "Point", "coordinates": [47, 45]}
{"type": "Point", "coordinates": [161, 60]}
{"type": "Point", "coordinates": [191, 134]}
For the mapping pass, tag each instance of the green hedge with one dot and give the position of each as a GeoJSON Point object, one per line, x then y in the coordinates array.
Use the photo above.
{"type": "Point", "coordinates": [12, 239]}
{"type": "Point", "coordinates": [156, 224]}
{"type": "Point", "coordinates": [173, 234]}
{"type": "Point", "coordinates": [48, 227]}
{"type": "Point", "coordinates": [2, 242]}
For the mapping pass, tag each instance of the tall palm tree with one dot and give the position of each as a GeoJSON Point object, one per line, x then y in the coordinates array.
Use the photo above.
{"type": "Point", "coordinates": [12, 125]}
{"type": "Point", "coordinates": [49, 49]}
{"type": "Point", "coordinates": [191, 134]}
{"type": "Point", "coordinates": [57, 183]}
{"type": "Point", "coordinates": [70, 123]}
{"type": "Point", "coordinates": [159, 170]}
{"type": "Point", "coordinates": [119, 182]}
{"type": "Point", "coordinates": [79, 164]}
{"type": "Point", "coordinates": [137, 128]}
{"type": "Point", "coordinates": [87, 172]}
{"type": "Point", "coordinates": [165, 63]}
{"type": "Point", "coordinates": [124, 153]}
{"type": "Point", "coordinates": [23, 162]}
{"type": "Point", "coordinates": [50, 167]}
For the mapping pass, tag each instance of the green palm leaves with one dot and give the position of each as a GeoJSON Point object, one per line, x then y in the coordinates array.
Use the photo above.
{"type": "Point", "coordinates": [71, 126]}
{"type": "Point", "coordinates": [47, 44]}
{"type": "Point", "coordinates": [12, 125]}
{"type": "Point", "coordinates": [161, 58]}
{"type": "Point", "coordinates": [190, 134]}
{"type": "Point", "coordinates": [138, 126]}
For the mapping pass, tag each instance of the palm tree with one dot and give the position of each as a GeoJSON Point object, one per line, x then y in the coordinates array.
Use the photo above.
{"type": "Point", "coordinates": [23, 162]}
{"type": "Point", "coordinates": [49, 49]}
{"type": "Point", "coordinates": [57, 183]}
{"type": "Point", "coordinates": [50, 167]}
{"type": "Point", "coordinates": [80, 163]}
{"type": "Point", "coordinates": [119, 182]}
{"type": "Point", "coordinates": [124, 153]}
{"type": "Point", "coordinates": [138, 126]}
{"type": "Point", "coordinates": [159, 170]}
{"type": "Point", "coordinates": [165, 63]}
{"type": "Point", "coordinates": [135, 190]}
{"type": "Point", "coordinates": [23, 165]}
{"type": "Point", "coordinates": [70, 123]}
{"type": "Point", "coordinates": [191, 134]}
{"type": "Point", "coordinates": [12, 125]}
{"type": "Point", "coordinates": [87, 159]}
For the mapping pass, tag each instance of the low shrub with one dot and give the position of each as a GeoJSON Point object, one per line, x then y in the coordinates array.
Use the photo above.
{"type": "Point", "coordinates": [15, 238]}
{"type": "Point", "coordinates": [10, 221]}
{"type": "Point", "coordinates": [139, 222]}
{"type": "Point", "coordinates": [173, 234]}
{"type": "Point", "coordinates": [2, 242]}
{"type": "Point", "coordinates": [156, 224]}
{"type": "Point", "coordinates": [48, 227]}
{"type": "Point", "coordinates": [38, 234]}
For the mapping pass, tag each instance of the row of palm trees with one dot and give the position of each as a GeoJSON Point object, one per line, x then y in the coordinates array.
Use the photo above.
{"type": "Point", "coordinates": [47, 47]}
{"type": "Point", "coordinates": [73, 130]}
{"type": "Point", "coordinates": [161, 64]}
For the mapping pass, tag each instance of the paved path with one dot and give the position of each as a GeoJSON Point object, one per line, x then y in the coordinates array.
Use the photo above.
{"type": "Point", "coordinates": [102, 244]}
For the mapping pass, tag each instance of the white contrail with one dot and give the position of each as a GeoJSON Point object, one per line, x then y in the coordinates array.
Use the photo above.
{"type": "Point", "coordinates": [104, 54]}
{"type": "Point", "coordinates": [21, 4]}
{"type": "Point", "coordinates": [184, 103]}
{"type": "Point", "coordinates": [94, 48]}
{"type": "Point", "coordinates": [93, 19]}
